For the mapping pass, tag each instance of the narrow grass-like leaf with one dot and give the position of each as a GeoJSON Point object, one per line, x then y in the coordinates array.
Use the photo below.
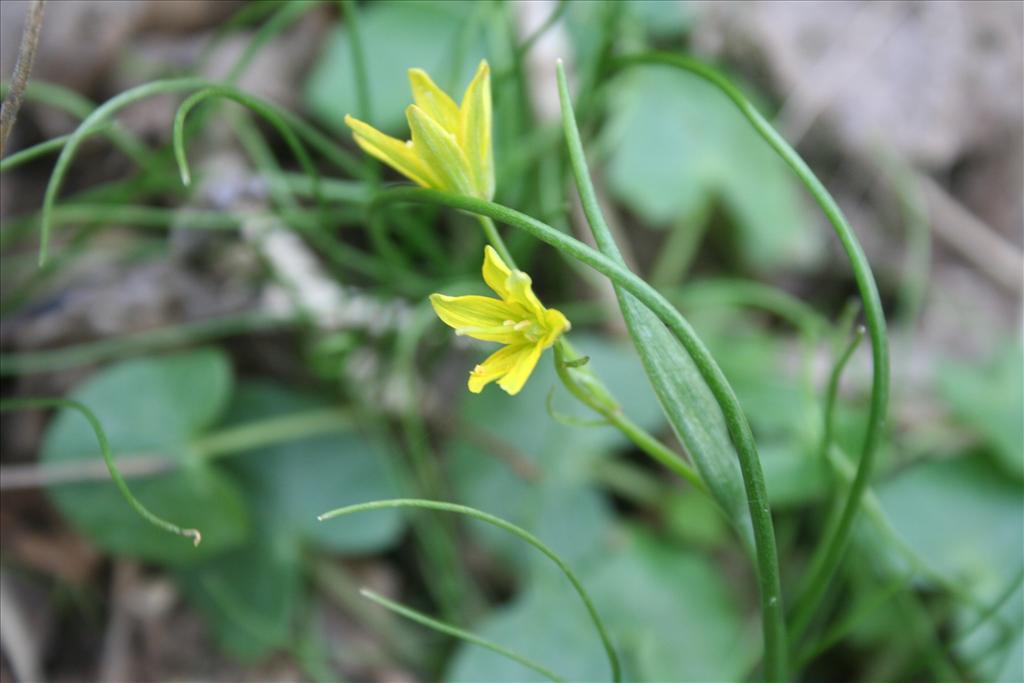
{"type": "Point", "coordinates": [447, 629]}
{"type": "Point", "coordinates": [613, 659]}
{"type": "Point", "coordinates": [108, 457]}
{"type": "Point", "coordinates": [331, 151]}
{"type": "Point", "coordinates": [263, 109]}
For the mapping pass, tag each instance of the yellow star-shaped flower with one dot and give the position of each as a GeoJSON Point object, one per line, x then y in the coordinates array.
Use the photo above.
{"type": "Point", "coordinates": [450, 148]}
{"type": "Point", "coordinates": [517, 319]}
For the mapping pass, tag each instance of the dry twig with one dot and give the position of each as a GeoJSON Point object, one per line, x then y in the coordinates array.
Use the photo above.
{"type": "Point", "coordinates": [22, 68]}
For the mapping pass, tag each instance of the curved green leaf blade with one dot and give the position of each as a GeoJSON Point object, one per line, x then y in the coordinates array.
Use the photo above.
{"type": "Point", "coordinates": [153, 407]}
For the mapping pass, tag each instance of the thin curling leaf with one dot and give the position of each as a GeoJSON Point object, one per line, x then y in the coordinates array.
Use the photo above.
{"type": "Point", "coordinates": [108, 458]}
{"type": "Point", "coordinates": [161, 406]}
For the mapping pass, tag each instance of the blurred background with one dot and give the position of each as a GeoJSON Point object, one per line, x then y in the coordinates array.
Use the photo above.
{"type": "Point", "coordinates": [257, 356]}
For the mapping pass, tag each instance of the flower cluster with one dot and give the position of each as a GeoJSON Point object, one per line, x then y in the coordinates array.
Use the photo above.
{"type": "Point", "coordinates": [450, 150]}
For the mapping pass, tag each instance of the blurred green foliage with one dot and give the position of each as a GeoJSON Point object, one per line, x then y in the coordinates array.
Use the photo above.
{"type": "Point", "coordinates": [941, 532]}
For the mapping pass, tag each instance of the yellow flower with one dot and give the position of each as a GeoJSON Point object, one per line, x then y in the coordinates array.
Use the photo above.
{"type": "Point", "coordinates": [450, 147]}
{"type": "Point", "coordinates": [517, 319]}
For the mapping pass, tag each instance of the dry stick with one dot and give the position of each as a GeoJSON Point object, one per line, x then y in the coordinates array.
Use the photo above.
{"type": "Point", "coordinates": [22, 68]}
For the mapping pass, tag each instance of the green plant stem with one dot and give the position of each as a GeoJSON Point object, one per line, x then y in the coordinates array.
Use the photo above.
{"type": "Point", "coordinates": [442, 627]}
{"type": "Point", "coordinates": [364, 103]}
{"type": "Point", "coordinates": [282, 18]}
{"type": "Point", "coordinates": [873, 313]}
{"type": "Point", "coordinates": [108, 457]}
{"type": "Point", "coordinates": [439, 541]}
{"type": "Point", "coordinates": [614, 416]}
{"type": "Point", "coordinates": [264, 433]}
{"type": "Point", "coordinates": [993, 609]}
{"type": "Point", "coordinates": [34, 152]}
{"type": "Point", "coordinates": [119, 347]}
{"type": "Point", "coordinates": [752, 294]}
{"type": "Point", "coordinates": [522, 534]}
{"type": "Point", "coordinates": [840, 630]}
{"type": "Point", "coordinates": [679, 248]}
{"type": "Point", "coordinates": [494, 237]}
{"type": "Point", "coordinates": [832, 392]}
{"type": "Point", "coordinates": [73, 103]}
{"type": "Point", "coordinates": [162, 217]}
{"type": "Point", "coordinates": [767, 563]}
{"type": "Point", "coordinates": [246, 16]}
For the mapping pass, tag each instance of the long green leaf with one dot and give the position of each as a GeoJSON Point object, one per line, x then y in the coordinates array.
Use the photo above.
{"type": "Point", "coordinates": [684, 395]}
{"type": "Point", "coordinates": [697, 411]}
{"type": "Point", "coordinates": [834, 545]}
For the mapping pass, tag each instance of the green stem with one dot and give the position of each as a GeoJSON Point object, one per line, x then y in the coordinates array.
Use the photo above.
{"type": "Point", "coordinates": [439, 541]}
{"type": "Point", "coordinates": [613, 415]}
{"type": "Point", "coordinates": [264, 433]}
{"type": "Point", "coordinates": [283, 17]}
{"type": "Point", "coordinates": [749, 293]}
{"type": "Point", "coordinates": [80, 107]}
{"type": "Point", "coordinates": [105, 349]}
{"type": "Point", "coordinates": [364, 104]}
{"type": "Point", "coordinates": [494, 237]}
{"type": "Point", "coordinates": [832, 393]}
{"type": "Point", "coordinates": [873, 313]}
{"type": "Point", "coordinates": [772, 614]}
{"type": "Point", "coordinates": [108, 457]}
{"type": "Point", "coordinates": [680, 248]}
{"type": "Point", "coordinates": [519, 532]}
{"type": "Point", "coordinates": [993, 609]}
{"type": "Point", "coordinates": [442, 627]}
{"type": "Point", "coordinates": [34, 152]}
{"type": "Point", "coordinates": [840, 630]}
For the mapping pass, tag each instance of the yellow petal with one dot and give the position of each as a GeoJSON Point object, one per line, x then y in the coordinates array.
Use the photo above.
{"type": "Point", "coordinates": [556, 325]}
{"type": "Point", "coordinates": [496, 366]}
{"type": "Point", "coordinates": [479, 317]}
{"type": "Point", "coordinates": [524, 363]}
{"type": "Point", "coordinates": [434, 101]}
{"type": "Point", "coordinates": [440, 151]}
{"type": "Point", "coordinates": [475, 131]}
{"type": "Point", "coordinates": [496, 273]}
{"type": "Point", "coordinates": [392, 151]}
{"type": "Point", "coordinates": [520, 291]}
